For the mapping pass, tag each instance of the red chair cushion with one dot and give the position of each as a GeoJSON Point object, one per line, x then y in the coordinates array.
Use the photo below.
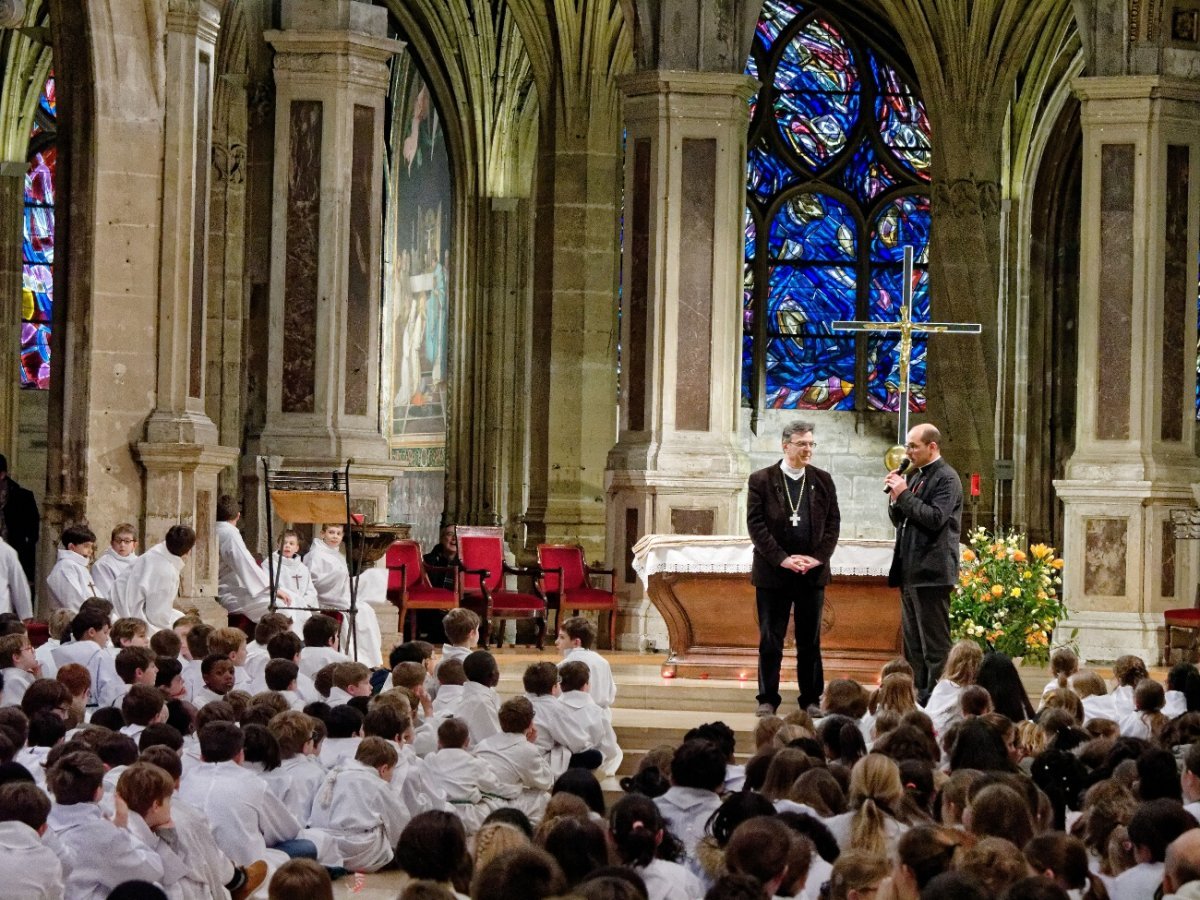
{"type": "Point", "coordinates": [514, 600]}
{"type": "Point", "coordinates": [39, 633]}
{"type": "Point", "coordinates": [1183, 618]}
{"type": "Point", "coordinates": [569, 559]}
{"type": "Point", "coordinates": [244, 623]}
{"type": "Point", "coordinates": [434, 598]}
{"type": "Point", "coordinates": [587, 598]}
{"type": "Point", "coordinates": [480, 552]}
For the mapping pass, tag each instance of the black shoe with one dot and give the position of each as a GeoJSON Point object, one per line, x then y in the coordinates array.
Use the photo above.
{"type": "Point", "coordinates": [764, 709]}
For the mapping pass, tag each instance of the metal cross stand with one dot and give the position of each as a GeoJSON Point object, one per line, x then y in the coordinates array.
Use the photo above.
{"type": "Point", "coordinates": [304, 496]}
{"type": "Point", "coordinates": [906, 327]}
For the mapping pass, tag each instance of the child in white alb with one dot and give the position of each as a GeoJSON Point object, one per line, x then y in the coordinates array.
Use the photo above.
{"type": "Point", "coordinates": [451, 681]}
{"type": "Point", "coordinates": [576, 637]}
{"type": "Point", "coordinates": [90, 628]}
{"type": "Point", "coordinates": [357, 806]}
{"type": "Point", "coordinates": [331, 578]}
{"type": "Point", "coordinates": [480, 704]}
{"type": "Point", "coordinates": [468, 783]}
{"type": "Point", "coordinates": [461, 626]}
{"type": "Point", "coordinates": [70, 582]}
{"type": "Point", "coordinates": [345, 734]}
{"type": "Point", "coordinates": [514, 757]}
{"type": "Point", "coordinates": [28, 867]}
{"type": "Point", "coordinates": [587, 716]}
{"type": "Point", "coordinates": [21, 667]}
{"type": "Point", "coordinates": [116, 560]}
{"type": "Point", "coordinates": [320, 645]}
{"type": "Point", "coordinates": [59, 623]}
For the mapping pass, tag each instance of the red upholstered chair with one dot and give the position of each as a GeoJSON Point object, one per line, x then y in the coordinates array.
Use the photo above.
{"type": "Point", "coordinates": [408, 584]}
{"type": "Point", "coordinates": [481, 583]}
{"type": "Point", "coordinates": [243, 623]}
{"type": "Point", "coordinates": [567, 585]}
{"type": "Point", "coordinates": [1188, 619]}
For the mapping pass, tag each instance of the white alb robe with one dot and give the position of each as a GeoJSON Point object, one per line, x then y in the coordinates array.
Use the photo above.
{"type": "Point", "coordinates": [96, 855]}
{"type": "Point", "coordinates": [335, 751]}
{"type": "Point", "coordinates": [14, 589]}
{"type": "Point", "coordinates": [469, 784]}
{"type": "Point", "coordinates": [943, 706]}
{"type": "Point", "coordinates": [16, 683]}
{"type": "Point", "coordinates": [292, 576]}
{"type": "Point", "coordinates": [107, 685]}
{"type": "Point", "coordinates": [331, 578]}
{"type": "Point", "coordinates": [480, 709]}
{"type": "Point", "coordinates": [28, 868]}
{"type": "Point", "coordinates": [362, 813]}
{"type": "Point", "coordinates": [449, 698]}
{"type": "Point", "coordinates": [69, 582]}
{"type": "Point", "coordinates": [244, 815]}
{"type": "Point", "coordinates": [600, 683]}
{"type": "Point", "coordinates": [148, 588]}
{"type": "Point", "coordinates": [209, 870]}
{"type": "Point", "coordinates": [314, 659]}
{"type": "Point", "coordinates": [586, 714]}
{"type": "Point", "coordinates": [108, 569]}
{"type": "Point", "coordinates": [517, 763]}
{"type": "Point", "coordinates": [242, 585]}
{"type": "Point", "coordinates": [295, 783]}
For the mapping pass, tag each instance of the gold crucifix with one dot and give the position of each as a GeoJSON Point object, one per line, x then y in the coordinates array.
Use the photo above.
{"type": "Point", "coordinates": [906, 327]}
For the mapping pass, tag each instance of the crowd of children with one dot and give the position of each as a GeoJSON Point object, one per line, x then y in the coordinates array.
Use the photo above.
{"type": "Point", "coordinates": [200, 764]}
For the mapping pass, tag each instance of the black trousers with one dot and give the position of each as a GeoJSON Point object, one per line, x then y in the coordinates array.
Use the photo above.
{"type": "Point", "coordinates": [774, 609]}
{"type": "Point", "coordinates": [925, 623]}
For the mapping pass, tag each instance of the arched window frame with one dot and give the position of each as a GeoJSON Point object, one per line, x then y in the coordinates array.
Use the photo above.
{"type": "Point", "coordinates": [764, 135]}
{"type": "Point", "coordinates": [43, 139]}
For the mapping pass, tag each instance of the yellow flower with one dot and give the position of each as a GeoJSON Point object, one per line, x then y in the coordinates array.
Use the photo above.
{"type": "Point", "coordinates": [1026, 574]}
{"type": "Point", "coordinates": [1057, 563]}
{"type": "Point", "coordinates": [968, 555]}
{"type": "Point", "coordinates": [1015, 592]}
{"type": "Point", "coordinates": [997, 590]}
{"type": "Point", "coordinates": [1041, 551]}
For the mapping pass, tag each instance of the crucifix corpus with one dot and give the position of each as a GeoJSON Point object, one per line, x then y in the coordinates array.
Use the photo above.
{"type": "Point", "coordinates": [906, 327]}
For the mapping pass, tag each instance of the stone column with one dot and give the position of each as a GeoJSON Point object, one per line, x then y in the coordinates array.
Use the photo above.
{"type": "Point", "coordinates": [677, 467]}
{"type": "Point", "coordinates": [1134, 456]}
{"type": "Point", "coordinates": [181, 453]}
{"type": "Point", "coordinates": [331, 80]}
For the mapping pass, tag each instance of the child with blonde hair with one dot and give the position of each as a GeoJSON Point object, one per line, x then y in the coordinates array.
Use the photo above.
{"type": "Point", "coordinates": [1147, 719]}
{"type": "Point", "coordinates": [1063, 664]}
{"type": "Point", "coordinates": [879, 811]}
{"type": "Point", "coordinates": [962, 666]}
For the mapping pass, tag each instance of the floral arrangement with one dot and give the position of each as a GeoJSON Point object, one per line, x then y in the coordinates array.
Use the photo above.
{"type": "Point", "coordinates": [1008, 596]}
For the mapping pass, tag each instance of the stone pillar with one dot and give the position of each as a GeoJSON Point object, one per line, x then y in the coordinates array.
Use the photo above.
{"type": "Point", "coordinates": [677, 467]}
{"type": "Point", "coordinates": [1134, 456]}
{"type": "Point", "coordinates": [331, 80]}
{"type": "Point", "coordinates": [181, 453]}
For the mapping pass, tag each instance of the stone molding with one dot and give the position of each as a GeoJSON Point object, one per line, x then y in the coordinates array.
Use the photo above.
{"type": "Point", "coordinates": [352, 58]}
{"type": "Point", "coordinates": [670, 81]}
{"type": "Point", "coordinates": [229, 163]}
{"type": "Point", "coordinates": [194, 17]}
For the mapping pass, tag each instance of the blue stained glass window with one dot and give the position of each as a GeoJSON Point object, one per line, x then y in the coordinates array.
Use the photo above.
{"type": "Point", "coordinates": [839, 160]}
{"type": "Point", "coordinates": [37, 246]}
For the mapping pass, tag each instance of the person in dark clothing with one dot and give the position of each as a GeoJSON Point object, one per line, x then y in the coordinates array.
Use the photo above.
{"type": "Point", "coordinates": [19, 521]}
{"type": "Point", "coordinates": [444, 554]}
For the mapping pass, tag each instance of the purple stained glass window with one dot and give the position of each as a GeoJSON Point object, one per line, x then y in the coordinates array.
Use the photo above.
{"type": "Point", "coordinates": [37, 250]}
{"type": "Point", "coordinates": [838, 171]}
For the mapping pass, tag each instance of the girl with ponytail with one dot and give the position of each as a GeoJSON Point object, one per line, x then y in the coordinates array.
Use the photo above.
{"type": "Point", "coordinates": [643, 843]}
{"type": "Point", "coordinates": [879, 810]}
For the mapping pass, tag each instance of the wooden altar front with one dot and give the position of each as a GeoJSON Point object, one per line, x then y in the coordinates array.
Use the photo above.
{"type": "Point", "coordinates": [701, 586]}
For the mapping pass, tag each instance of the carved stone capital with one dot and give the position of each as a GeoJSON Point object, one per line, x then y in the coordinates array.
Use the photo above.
{"type": "Point", "coordinates": [229, 162]}
{"type": "Point", "coordinates": [963, 197]}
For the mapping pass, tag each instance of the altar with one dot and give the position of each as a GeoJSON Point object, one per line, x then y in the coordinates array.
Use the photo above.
{"type": "Point", "coordinates": [701, 586]}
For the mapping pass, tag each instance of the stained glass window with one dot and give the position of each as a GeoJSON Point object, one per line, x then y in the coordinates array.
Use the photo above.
{"type": "Point", "coordinates": [37, 254]}
{"type": "Point", "coordinates": [837, 185]}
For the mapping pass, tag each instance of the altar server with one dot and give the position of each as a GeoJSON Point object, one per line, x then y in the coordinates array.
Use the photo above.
{"type": "Point", "coordinates": [89, 648]}
{"type": "Point", "coordinates": [293, 577]}
{"type": "Point", "coordinates": [576, 637]}
{"type": "Point", "coordinates": [299, 775]}
{"type": "Point", "coordinates": [584, 713]}
{"type": "Point", "coordinates": [331, 577]}
{"type": "Point", "coordinates": [69, 582]}
{"type": "Point", "coordinates": [469, 784]}
{"type": "Point", "coordinates": [515, 759]}
{"type": "Point", "coordinates": [28, 867]}
{"type": "Point", "coordinates": [14, 588]}
{"type": "Point", "coordinates": [113, 562]}
{"type": "Point", "coordinates": [358, 807]}
{"type": "Point", "coordinates": [480, 704]}
{"type": "Point", "coordinates": [242, 585]}
{"type": "Point", "coordinates": [148, 588]}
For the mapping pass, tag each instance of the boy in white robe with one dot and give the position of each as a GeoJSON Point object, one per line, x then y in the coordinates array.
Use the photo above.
{"type": "Point", "coordinates": [59, 622]}
{"type": "Point", "coordinates": [468, 782]}
{"type": "Point", "coordinates": [257, 656]}
{"type": "Point", "coordinates": [345, 734]}
{"type": "Point", "coordinates": [320, 645]}
{"type": "Point", "coordinates": [14, 588]}
{"type": "Point", "coordinates": [280, 676]}
{"type": "Point", "coordinates": [576, 637]}
{"type": "Point", "coordinates": [584, 713]}
{"type": "Point", "coordinates": [452, 679]}
{"type": "Point", "coordinates": [148, 588]}
{"type": "Point", "coordinates": [350, 680]}
{"type": "Point", "coordinates": [245, 817]}
{"type": "Point", "coordinates": [97, 854]}
{"type": "Point", "coordinates": [461, 626]}
{"type": "Point", "coordinates": [89, 648]}
{"type": "Point", "coordinates": [357, 805]}
{"type": "Point", "coordinates": [69, 582]}
{"type": "Point", "coordinates": [196, 645]}
{"type": "Point", "coordinates": [299, 775]}
{"type": "Point", "coordinates": [28, 867]}
{"type": "Point", "coordinates": [218, 675]}
{"type": "Point", "coordinates": [113, 562]}
{"type": "Point", "coordinates": [331, 578]}
{"type": "Point", "coordinates": [293, 576]}
{"type": "Point", "coordinates": [242, 585]}
{"type": "Point", "coordinates": [515, 759]}
{"type": "Point", "coordinates": [563, 739]}
{"type": "Point", "coordinates": [480, 703]}
{"type": "Point", "coordinates": [21, 667]}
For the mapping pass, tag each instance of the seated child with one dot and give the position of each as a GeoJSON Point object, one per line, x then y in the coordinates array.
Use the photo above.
{"type": "Point", "coordinates": [69, 582]}
{"type": "Point", "coordinates": [299, 775]}
{"type": "Point", "coordinates": [1147, 719]}
{"type": "Point", "coordinates": [116, 560]}
{"type": "Point", "coordinates": [451, 680]}
{"type": "Point", "coordinates": [59, 626]}
{"type": "Point", "coordinates": [962, 665]}
{"type": "Point", "coordinates": [467, 782]}
{"type": "Point", "coordinates": [358, 807]}
{"type": "Point", "coordinates": [556, 739]}
{"type": "Point", "coordinates": [1128, 672]}
{"type": "Point", "coordinates": [1063, 664]}
{"type": "Point", "coordinates": [281, 677]}
{"type": "Point", "coordinates": [97, 853]}
{"type": "Point", "coordinates": [90, 629]}
{"type": "Point", "coordinates": [345, 734]}
{"type": "Point", "coordinates": [413, 675]}
{"type": "Point", "coordinates": [169, 679]}
{"type": "Point", "coordinates": [257, 656]}
{"type": "Point", "coordinates": [21, 667]}
{"type": "Point", "coordinates": [1176, 701]}
{"type": "Point", "coordinates": [28, 868]}
{"type": "Point", "coordinates": [195, 648]}
{"type": "Point", "coordinates": [576, 637]}
{"type": "Point", "coordinates": [246, 818]}
{"type": "Point", "coordinates": [217, 670]}
{"type": "Point", "coordinates": [166, 643]}
{"type": "Point", "coordinates": [146, 791]}
{"type": "Point", "coordinates": [350, 679]}
{"type": "Point", "coordinates": [142, 706]}
{"type": "Point", "coordinates": [697, 773]}
{"type": "Point", "coordinates": [78, 682]}
{"type": "Point", "coordinates": [288, 646]}
{"type": "Point", "coordinates": [480, 703]}
{"type": "Point", "coordinates": [320, 645]}
{"type": "Point", "coordinates": [134, 665]}
{"type": "Point", "coordinates": [462, 634]}
{"type": "Point", "coordinates": [129, 631]}
{"type": "Point", "coordinates": [974, 701]}
{"type": "Point", "coordinates": [587, 717]}
{"type": "Point", "coordinates": [515, 759]}
{"type": "Point", "coordinates": [231, 642]}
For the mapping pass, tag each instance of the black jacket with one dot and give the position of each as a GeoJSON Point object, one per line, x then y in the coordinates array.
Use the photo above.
{"type": "Point", "coordinates": [22, 523]}
{"type": "Point", "coordinates": [767, 515]}
{"type": "Point", "coordinates": [926, 553]}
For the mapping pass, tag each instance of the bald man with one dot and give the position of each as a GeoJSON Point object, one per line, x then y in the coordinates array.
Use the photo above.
{"type": "Point", "coordinates": [1183, 866]}
{"type": "Point", "coordinates": [926, 508]}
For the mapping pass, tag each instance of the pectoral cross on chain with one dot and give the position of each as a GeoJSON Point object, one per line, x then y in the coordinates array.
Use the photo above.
{"type": "Point", "coordinates": [796, 519]}
{"type": "Point", "coordinates": [906, 326]}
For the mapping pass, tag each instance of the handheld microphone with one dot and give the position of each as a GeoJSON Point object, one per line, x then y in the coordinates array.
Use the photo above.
{"type": "Point", "coordinates": [904, 466]}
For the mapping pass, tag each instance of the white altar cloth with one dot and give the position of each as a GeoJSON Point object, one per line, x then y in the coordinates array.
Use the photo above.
{"type": "Point", "coordinates": [734, 553]}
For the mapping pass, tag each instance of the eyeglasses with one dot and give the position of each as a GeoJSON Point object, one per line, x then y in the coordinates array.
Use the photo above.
{"type": "Point", "coordinates": [811, 445]}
